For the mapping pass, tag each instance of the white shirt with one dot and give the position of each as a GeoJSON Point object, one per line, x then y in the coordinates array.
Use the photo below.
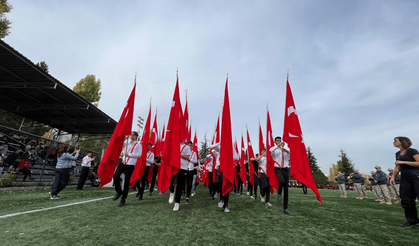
{"type": "Point", "coordinates": [262, 165]}
{"type": "Point", "coordinates": [192, 161]}
{"type": "Point", "coordinates": [209, 165]}
{"type": "Point", "coordinates": [133, 154]}
{"type": "Point", "coordinates": [150, 159]}
{"type": "Point", "coordinates": [85, 162]}
{"type": "Point", "coordinates": [277, 156]}
{"type": "Point", "coordinates": [185, 150]}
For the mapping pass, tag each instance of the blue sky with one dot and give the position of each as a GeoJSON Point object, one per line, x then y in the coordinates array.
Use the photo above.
{"type": "Point", "coordinates": [353, 64]}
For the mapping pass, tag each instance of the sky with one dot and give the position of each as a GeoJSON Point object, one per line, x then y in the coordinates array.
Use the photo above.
{"type": "Point", "coordinates": [353, 65]}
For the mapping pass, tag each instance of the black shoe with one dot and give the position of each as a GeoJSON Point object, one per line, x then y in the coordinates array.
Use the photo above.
{"type": "Point", "coordinates": [410, 225]}
{"type": "Point", "coordinates": [121, 204]}
{"type": "Point", "coordinates": [140, 198]}
{"type": "Point", "coordinates": [116, 197]}
{"type": "Point", "coordinates": [150, 194]}
{"type": "Point", "coordinates": [138, 194]}
{"type": "Point", "coordinates": [187, 201]}
{"type": "Point", "coordinates": [79, 189]}
{"type": "Point", "coordinates": [286, 211]}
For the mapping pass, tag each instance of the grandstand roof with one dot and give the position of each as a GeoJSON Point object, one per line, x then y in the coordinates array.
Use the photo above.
{"type": "Point", "coordinates": [28, 91]}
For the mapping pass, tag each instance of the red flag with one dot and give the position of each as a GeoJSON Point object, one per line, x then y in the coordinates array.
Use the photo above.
{"type": "Point", "coordinates": [226, 146]}
{"type": "Point", "coordinates": [217, 131]}
{"type": "Point", "coordinates": [189, 134]}
{"type": "Point", "coordinates": [122, 129]}
{"type": "Point", "coordinates": [250, 155]}
{"type": "Point", "coordinates": [186, 116]}
{"type": "Point", "coordinates": [261, 145]}
{"type": "Point", "coordinates": [154, 137]}
{"type": "Point", "coordinates": [162, 141]}
{"type": "Point", "coordinates": [293, 136]}
{"type": "Point", "coordinates": [236, 181]}
{"type": "Point", "coordinates": [270, 163]}
{"type": "Point", "coordinates": [175, 134]}
{"type": "Point", "coordinates": [242, 165]}
{"type": "Point", "coordinates": [195, 147]}
{"type": "Point", "coordinates": [141, 162]}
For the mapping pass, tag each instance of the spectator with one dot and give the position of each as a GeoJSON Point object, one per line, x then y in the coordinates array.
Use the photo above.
{"type": "Point", "coordinates": [24, 168]}
{"type": "Point", "coordinates": [11, 159]}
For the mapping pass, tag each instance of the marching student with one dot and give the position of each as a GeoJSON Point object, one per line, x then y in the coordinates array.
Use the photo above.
{"type": "Point", "coordinates": [210, 173]}
{"type": "Point", "coordinates": [256, 179]}
{"type": "Point", "coordinates": [185, 154]}
{"type": "Point", "coordinates": [85, 170]}
{"type": "Point", "coordinates": [157, 164]}
{"type": "Point", "coordinates": [264, 180]}
{"type": "Point", "coordinates": [282, 170]}
{"type": "Point", "coordinates": [149, 161]}
{"type": "Point", "coordinates": [191, 169]}
{"type": "Point", "coordinates": [130, 152]}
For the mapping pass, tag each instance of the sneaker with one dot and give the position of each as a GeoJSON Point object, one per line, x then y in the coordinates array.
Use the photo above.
{"type": "Point", "coordinates": [268, 204]}
{"type": "Point", "coordinates": [183, 195]}
{"type": "Point", "coordinates": [360, 198]}
{"type": "Point", "coordinates": [279, 199]}
{"type": "Point", "coordinates": [344, 196]}
{"type": "Point", "coordinates": [193, 194]}
{"type": "Point", "coordinates": [121, 204]}
{"type": "Point", "coordinates": [50, 196]}
{"type": "Point", "coordinates": [357, 197]}
{"type": "Point", "coordinates": [138, 194]}
{"type": "Point", "coordinates": [241, 194]}
{"type": "Point", "coordinates": [410, 225]}
{"type": "Point", "coordinates": [220, 204]}
{"type": "Point", "coordinates": [262, 199]}
{"type": "Point", "coordinates": [382, 202]}
{"type": "Point", "coordinates": [286, 211]}
{"type": "Point", "coordinates": [176, 208]}
{"type": "Point", "coordinates": [377, 200]}
{"type": "Point", "coordinates": [398, 202]}
{"type": "Point", "coordinates": [150, 194]}
{"type": "Point", "coordinates": [365, 197]}
{"type": "Point", "coordinates": [54, 197]}
{"type": "Point", "coordinates": [248, 193]}
{"type": "Point", "coordinates": [160, 193]}
{"type": "Point", "coordinates": [116, 197]}
{"type": "Point", "coordinates": [389, 203]}
{"type": "Point", "coordinates": [187, 201]}
{"type": "Point", "coordinates": [341, 196]}
{"type": "Point", "coordinates": [226, 210]}
{"type": "Point", "coordinates": [216, 195]}
{"type": "Point", "coordinates": [251, 197]}
{"type": "Point", "coordinates": [140, 198]}
{"type": "Point", "coordinates": [171, 198]}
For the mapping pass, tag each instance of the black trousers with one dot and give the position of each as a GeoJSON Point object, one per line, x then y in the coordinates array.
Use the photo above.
{"type": "Point", "coordinates": [265, 188]}
{"type": "Point", "coordinates": [283, 175]}
{"type": "Point", "coordinates": [217, 185]}
{"type": "Point", "coordinates": [249, 186]}
{"type": "Point", "coordinates": [153, 180]}
{"type": "Point", "coordinates": [239, 187]}
{"type": "Point", "coordinates": [181, 178]}
{"type": "Point", "coordinates": [120, 169]}
{"type": "Point", "coordinates": [255, 186]}
{"type": "Point", "coordinates": [304, 189]}
{"type": "Point", "coordinates": [409, 190]}
{"type": "Point", "coordinates": [83, 177]}
{"type": "Point", "coordinates": [189, 179]}
{"type": "Point", "coordinates": [26, 172]}
{"type": "Point", "coordinates": [172, 184]}
{"type": "Point", "coordinates": [224, 198]}
{"type": "Point", "coordinates": [61, 180]}
{"type": "Point", "coordinates": [143, 180]}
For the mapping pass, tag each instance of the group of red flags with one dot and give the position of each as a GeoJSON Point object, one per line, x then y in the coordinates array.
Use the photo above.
{"type": "Point", "coordinates": [168, 146]}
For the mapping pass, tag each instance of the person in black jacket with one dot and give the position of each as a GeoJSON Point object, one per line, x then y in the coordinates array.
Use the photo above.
{"type": "Point", "coordinates": [407, 162]}
{"type": "Point", "coordinates": [11, 159]}
{"type": "Point", "coordinates": [381, 180]}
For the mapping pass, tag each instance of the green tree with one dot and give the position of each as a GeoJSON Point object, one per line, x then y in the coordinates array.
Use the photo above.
{"type": "Point", "coordinates": [43, 65]}
{"type": "Point", "coordinates": [318, 175]}
{"type": "Point", "coordinates": [345, 165]}
{"type": "Point", "coordinates": [89, 89]}
{"type": "Point", "coordinates": [5, 7]}
{"type": "Point", "coordinates": [204, 151]}
{"type": "Point", "coordinates": [333, 173]}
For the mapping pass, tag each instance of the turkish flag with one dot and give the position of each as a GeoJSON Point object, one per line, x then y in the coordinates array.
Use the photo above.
{"type": "Point", "coordinates": [141, 161]}
{"type": "Point", "coordinates": [226, 146]}
{"type": "Point", "coordinates": [242, 165]}
{"type": "Point", "coordinates": [217, 131]}
{"type": "Point", "coordinates": [293, 136]}
{"type": "Point", "coordinates": [273, 179]}
{"type": "Point", "coordinates": [250, 155]}
{"type": "Point", "coordinates": [195, 147]}
{"type": "Point", "coordinates": [261, 145]}
{"type": "Point", "coordinates": [154, 138]}
{"type": "Point", "coordinates": [175, 134]}
{"type": "Point", "coordinates": [123, 128]}
{"type": "Point", "coordinates": [186, 119]}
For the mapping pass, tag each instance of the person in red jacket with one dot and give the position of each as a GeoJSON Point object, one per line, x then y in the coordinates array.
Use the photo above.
{"type": "Point", "coordinates": [24, 168]}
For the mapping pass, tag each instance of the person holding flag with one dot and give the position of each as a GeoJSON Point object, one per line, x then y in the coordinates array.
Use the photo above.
{"type": "Point", "coordinates": [191, 172]}
{"type": "Point", "coordinates": [264, 180]}
{"type": "Point", "coordinates": [149, 161]}
{"type": "Point", "coordinates": [210, 173]}
{"type": "Point", "coordinates": [131, 150]}
{"type": "Point", "coordinates": [185, 154]}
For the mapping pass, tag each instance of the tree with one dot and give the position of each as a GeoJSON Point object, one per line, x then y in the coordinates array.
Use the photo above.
{"type": "Point", "coordinates": [89, 89]}
{"type": "Point", "coordinates": [43, 65]}
{"type": "Point", "coordinates": [333, 173]}
{"type": "Point", "coordinates": [5, 7]}
{"type": "Point", "coordinates": [318, 175]}
{"type": "Point", "coordinates": [345, 165]}
{"type": "Point", "coordinates": [204, 151]}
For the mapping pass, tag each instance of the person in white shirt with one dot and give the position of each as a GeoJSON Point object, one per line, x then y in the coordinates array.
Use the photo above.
{"type": "Point", "coordinates": [282, 170]}
{"type": "Point", "coordinates": [130, 152]}
{"type": "Point", "coordinates": [191, 169]}
{"type": "Point", "coordinates": [210, 173]}
{"type": "Point", "coordinates": [149, 162]}
{"type": "Point", "coordinates": [85, 170]}
{"type": "Point", "coordinates": [185, 154]}
{"type": "Point", "coordinates": [264, 180]}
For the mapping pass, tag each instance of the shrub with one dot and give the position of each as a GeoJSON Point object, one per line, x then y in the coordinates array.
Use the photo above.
{"type": "Point", "coordinates": [7, 179]}
{"type": "Point", "coordinates": [71, 179]}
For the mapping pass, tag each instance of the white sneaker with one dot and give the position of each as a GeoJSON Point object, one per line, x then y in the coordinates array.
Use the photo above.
{"type": "Point", "coordinates": [193, 194]}
{"type": "Point", "coordinates": [262, 199]}
{"type": "Point", "coordinates": [176, 208]}
{"type": "Point", "coordinates": [220, 204]}
{"type": "Point", "coordinates": [172, 197]}
{"type": "Point", "coordinates": [268, 204]}
{"type": "Point", "coordinates": [248, 193]}
{"type": "Point", "coordinates": [226, 210]}
{"type": "Point", "coordinates": [251, 197]}
{"type": "Point", "coordinates": [216, 195]}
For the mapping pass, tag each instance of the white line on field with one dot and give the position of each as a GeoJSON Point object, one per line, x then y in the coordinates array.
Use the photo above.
{"type": "Point", "coordinates": [60, 206]}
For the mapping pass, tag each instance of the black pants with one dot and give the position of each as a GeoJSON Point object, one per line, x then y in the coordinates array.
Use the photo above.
{"type": "Point", "coordinates": [265, 188]}
{"type": "Point", "coordinates": [172, 184]}
{"type": "Point", "coordinates": [239, 188]}
{"type": "Point", "coordinates": [248, 183]}
{"type": "Point", "coordinates": [153, 180]}
{"type": "Point", "coordinates": [409, 190]}
{"type": "Point", "coordinates": [143, 180]}
{"type": "Point", "coordinates": [304, 189]}
{"type": "Point", "coordinates": [217, 184]}
{"type": "Point", "coordinates": [210, 184]}
{"type": "Point", "coordinates": [83, 177]}
{"type": "Point", "coordinates": [120, 169]}
{"type": "Point", "coordinates": [255, 186]}
{"type": "Point", "coordinates": [283, 175]}
{"type": "Point", "coordinates": [61, 179]}
{"type": "Point", "coordinates": [224, 198]}
{"type": "Point", "coordinates": [26, 172]}
{"type": "Point", "coordinates": [181, 178]}
{"type": "Point", "coordinates": [189, 179]}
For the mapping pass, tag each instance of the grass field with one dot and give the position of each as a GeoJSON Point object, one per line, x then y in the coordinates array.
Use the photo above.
{"type": "Point", "coordinates": [339, 221]}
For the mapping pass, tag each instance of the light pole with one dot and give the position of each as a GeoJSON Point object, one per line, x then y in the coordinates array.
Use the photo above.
{"type": "Point", "coordinates": [140, 124]}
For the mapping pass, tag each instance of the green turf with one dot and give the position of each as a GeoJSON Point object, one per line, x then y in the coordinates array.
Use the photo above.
{"type": "Point", "coordinates": [152, 222]}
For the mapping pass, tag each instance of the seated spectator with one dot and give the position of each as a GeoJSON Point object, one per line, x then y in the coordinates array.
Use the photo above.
{"type": "Point", "coordinates": [24, 168]}
{"type": "Point", "coordinates": [2, 154]}
{"type": "Point", "coordinates": [4, 146]}
{"type": "Point", "coordinates": [11, 159]}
